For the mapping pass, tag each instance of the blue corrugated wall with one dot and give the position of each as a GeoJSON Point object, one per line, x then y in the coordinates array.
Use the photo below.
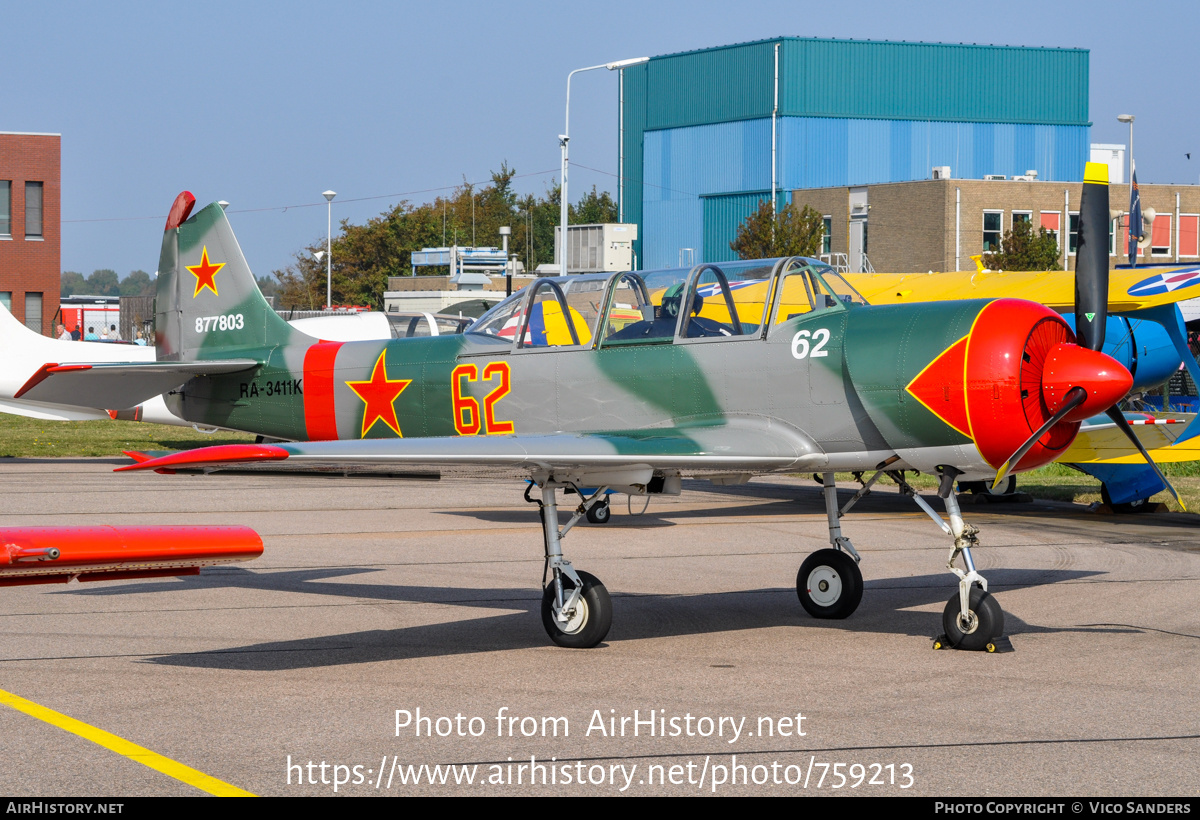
{"type": "Point", "coordinates": [722, 216]}
{"type": "Point", "coordinates": [683, 165]}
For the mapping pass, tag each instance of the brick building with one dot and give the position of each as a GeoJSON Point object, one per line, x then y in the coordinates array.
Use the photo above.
{"type": "Point", "coordinates": [30, 239]}
{"type": "Point", "coordinates": [939, 224]}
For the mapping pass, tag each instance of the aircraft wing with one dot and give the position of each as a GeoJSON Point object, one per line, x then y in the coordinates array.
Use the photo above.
{"type": "Point", "coordinates": [117, 385]}
{"type": "Point", "coordinates": [1106, 444]}
{"type": "Point", "coordinates": [51, 412]}
{"type": "Point", "coordinates": [589, 459]}
{"type": "Point", "coordinates": [1128, 288]}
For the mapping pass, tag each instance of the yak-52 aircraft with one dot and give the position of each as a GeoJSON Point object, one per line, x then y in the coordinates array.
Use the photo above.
{"type": "Point", "coordinates": [629, 381]}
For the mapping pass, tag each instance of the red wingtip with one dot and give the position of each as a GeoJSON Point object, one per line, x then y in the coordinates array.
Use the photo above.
{"type": "Point", "coordinates": [37, 378]}
{"type": "Point", "coordinates": [134, 454]}
{"type": "Point", "coordinates": [218, 454]}
{"type": "Point", "coordinates": [181, 209]}
{"type": "Point", "coordinates": [44, 372]}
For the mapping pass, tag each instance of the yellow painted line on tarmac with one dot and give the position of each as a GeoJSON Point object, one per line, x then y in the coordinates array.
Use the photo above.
{"type": "Point", "coordinates": [154, 760]}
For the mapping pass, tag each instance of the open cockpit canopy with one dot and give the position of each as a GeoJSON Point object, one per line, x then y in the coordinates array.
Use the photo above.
{"type": "Point", "coordinates": [713, 301]}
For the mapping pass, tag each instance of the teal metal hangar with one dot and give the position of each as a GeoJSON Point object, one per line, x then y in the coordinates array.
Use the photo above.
{"type": "Point", "coordinates": [705, 135]}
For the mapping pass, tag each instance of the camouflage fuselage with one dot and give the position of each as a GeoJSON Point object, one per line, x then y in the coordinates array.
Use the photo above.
{"type": "Point", "coordinates": [844, 384]}
{"type": "Point", "coordinates": [851, 401]}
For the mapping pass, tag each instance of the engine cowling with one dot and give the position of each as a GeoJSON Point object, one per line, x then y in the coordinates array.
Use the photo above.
{"type": "Point", "coordinates": [1009, 375]}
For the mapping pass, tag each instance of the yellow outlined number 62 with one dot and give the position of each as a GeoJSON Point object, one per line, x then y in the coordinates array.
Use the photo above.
{"type": "Point", "coordinates": [469, 419]}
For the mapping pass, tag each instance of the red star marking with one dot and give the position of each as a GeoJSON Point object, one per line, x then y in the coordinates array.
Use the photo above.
{"type": "Point", "coordinates": [204, 273]}
{"type": "Point", "coordinates": [380, 395]}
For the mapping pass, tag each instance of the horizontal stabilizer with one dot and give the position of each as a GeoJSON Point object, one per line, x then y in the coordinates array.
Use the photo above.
{"type": "Point", "coordinates": [118, 385]}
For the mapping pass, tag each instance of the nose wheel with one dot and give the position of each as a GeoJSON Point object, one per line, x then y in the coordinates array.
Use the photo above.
{"type": "Point", "coordinates": [977, 628]}
{"type": "Point", "coordinates": [576, 608]}
{"type": "Point", "coordinates": [829, 584]}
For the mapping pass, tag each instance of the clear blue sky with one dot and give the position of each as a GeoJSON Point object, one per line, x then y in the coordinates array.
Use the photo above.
{"type": "Point", "coordinates": [268, 104]}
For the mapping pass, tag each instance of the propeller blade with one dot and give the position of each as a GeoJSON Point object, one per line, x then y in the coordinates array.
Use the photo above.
{"type": "Point", "coordinates": [1118, 417]}
{"type": "Point", "coordinates": [1091, 261]}
{"type": "Point", "coordinates": [1075, 397]}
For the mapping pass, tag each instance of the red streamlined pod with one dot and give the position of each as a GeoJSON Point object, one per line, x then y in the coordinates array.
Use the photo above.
{"type": "Point", "coordinates": [55, 555]}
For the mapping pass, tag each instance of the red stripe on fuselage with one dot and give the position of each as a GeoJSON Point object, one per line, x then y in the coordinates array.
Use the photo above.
{"type": "Point", "coordinates": [320, 414]}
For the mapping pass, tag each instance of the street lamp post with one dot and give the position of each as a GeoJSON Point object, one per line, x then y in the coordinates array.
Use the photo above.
{"type": "Point", "coordinates": [1128, 118]}
{"type": "Point", "coordinates": [329, 195]}
{"type": "Point", "coordinates": [563, 139]}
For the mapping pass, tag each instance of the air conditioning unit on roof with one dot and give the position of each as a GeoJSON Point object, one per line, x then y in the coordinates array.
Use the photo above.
{"type": "Point", "coordinates": [995, 177]}
{"type": "Point", "coordinates": [941, 172]}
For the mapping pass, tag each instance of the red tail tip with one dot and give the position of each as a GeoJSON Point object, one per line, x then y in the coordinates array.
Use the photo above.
{"type": "Point", "coordinates": [181, 209]}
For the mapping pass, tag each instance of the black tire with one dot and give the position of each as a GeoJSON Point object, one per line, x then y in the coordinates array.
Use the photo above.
{"type": "Point", "coordinates": [595, 614]}
{"type": "Point", "coordinates": [829, 584]}
{"type": "Point", "coordinates": [599, 513]}
{"type": "Point", "coordinates": [989, 621]}
{"type": "Point", "coordinates": [1138, 505]}
{"type": "Point", "coordinates": [1007, 487]}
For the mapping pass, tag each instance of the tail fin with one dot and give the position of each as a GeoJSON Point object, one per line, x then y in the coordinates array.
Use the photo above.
{"type": "Point", "coordinates": [208, 304]}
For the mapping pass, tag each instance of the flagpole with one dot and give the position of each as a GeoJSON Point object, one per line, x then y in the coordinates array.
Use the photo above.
{"type": "Point", "coordinates": [1131, 243]}
{"type": "Point", "coordinates": [1135, 214]}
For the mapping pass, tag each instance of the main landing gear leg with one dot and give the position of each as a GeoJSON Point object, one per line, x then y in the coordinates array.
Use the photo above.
{"type": "Point", "coordinates": [576, 609]}
{"type": "Point", "coordinates": [972, 618]}
{"type": "Point", "coordinates": [829, 583]}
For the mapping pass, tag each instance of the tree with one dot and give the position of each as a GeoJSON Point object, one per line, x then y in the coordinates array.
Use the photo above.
{"type": "Point", "coordinates": [104, 282]}
{"type": "Point", "coordinates": [267, 285]}
{"type": "Point", "coordinates": [72, 283]}
{"type": "Point", "coordinates": [1022, 249]}
{"type": "Point", "coordinates": [364, 256]}
{"type": "Point", "coordinates": [533, 240]}
{"type": "Point", "coordinates": [593, 209]}
{"type": "Point", "coordinates": [790, 232]}
{"type": "Point", "coordinates": [137, 283]}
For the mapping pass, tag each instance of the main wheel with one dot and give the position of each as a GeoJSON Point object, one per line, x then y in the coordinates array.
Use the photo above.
{"type": "Point", "coordinates": [983, 624]}
{"type": "Point", "coordinates": [599, 513]}
{"type": "Point", "coordinates": [591, 620]}
{"type": "Point", "coordinates": [829, 584]}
